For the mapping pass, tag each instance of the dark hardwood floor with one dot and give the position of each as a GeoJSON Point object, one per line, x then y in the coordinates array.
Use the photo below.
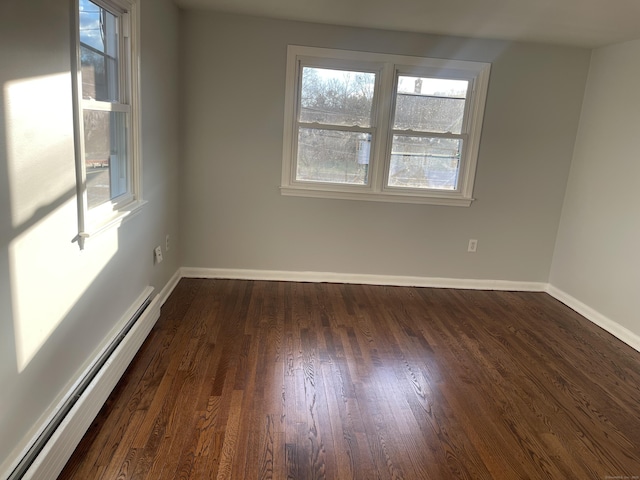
{"type": "Point", "coordinates": [256, 380]}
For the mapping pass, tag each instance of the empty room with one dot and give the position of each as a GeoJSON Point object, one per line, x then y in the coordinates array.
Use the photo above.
{"type": "Point", "coordinates": [332, 239]}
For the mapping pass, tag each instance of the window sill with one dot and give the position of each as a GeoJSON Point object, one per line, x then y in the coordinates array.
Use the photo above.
{"type": "Point", "coordinates": [113, 219]}
{"type": "Point", "coordinates": [391, 197]}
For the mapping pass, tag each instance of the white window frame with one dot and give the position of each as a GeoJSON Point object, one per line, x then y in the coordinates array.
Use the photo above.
{"type": "Point", "coordinates": [111, 213]}
{"type": "Point", "coordinates": [387, 68]}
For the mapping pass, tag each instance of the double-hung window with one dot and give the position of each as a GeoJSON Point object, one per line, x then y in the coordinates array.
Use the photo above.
{"type": "Point", "coordinates": [107, 111]}
{"type": "Point", "coordinates": [382, 127]}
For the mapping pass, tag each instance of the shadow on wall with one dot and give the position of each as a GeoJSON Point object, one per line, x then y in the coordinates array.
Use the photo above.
{"type": "Point", "coordinates": [7, 345]}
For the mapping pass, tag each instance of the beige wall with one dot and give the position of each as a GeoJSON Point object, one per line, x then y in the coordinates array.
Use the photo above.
{"type": "Point", "coordinates": [233, 215]}
{"type": "Point", "coordinates": [596, 257]}
{"type": "Point", "coordinates": [57, 304]}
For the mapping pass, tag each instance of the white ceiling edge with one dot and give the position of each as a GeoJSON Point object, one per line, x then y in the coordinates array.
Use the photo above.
{"type": "Point", "coordinates": [579, 23]}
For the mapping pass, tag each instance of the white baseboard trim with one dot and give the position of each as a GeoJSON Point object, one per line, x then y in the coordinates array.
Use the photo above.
{"type": "Point", "coordinates": [354, 278]}
{"type": "Point", "coordinates": [169, 287]}
{"type": "Point", "coordinates": [58, 449]}
{"type": "Point", "coordinates": [614, 328]}
{"type": "Point", "coordinates": [589, 313]}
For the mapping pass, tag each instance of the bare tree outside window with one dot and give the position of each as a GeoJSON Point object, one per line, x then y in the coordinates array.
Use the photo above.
{"type": "Point", "coordinates": [332, 103]}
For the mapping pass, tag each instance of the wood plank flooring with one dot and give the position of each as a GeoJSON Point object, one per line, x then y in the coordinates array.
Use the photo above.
{"type": "Point", "coordinates": [258, 380]}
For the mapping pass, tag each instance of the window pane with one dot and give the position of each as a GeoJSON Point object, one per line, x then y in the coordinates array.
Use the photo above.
{"type": "Point", "coordinates": [106, 159]}
{"type": "Point", "coordinates": [333, 156]}
{"type": "Point", "coordinates": [98, 52]}
{"type": "Point", "coordinates": [430, 104]}
{"type": "Point", "coordinates": [336, 97]}
{"type": "Point", "coordinates": [418, 162]}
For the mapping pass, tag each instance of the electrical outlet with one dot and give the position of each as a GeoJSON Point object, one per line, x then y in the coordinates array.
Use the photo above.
{"type": "Point", "coordinates": [473, 245]}
{"type": "Point", "coordinates": [157, 253]}
{"type": "Point", "coordinates": [166, 243]}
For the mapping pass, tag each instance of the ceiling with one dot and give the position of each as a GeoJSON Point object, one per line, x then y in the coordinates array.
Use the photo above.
{"type": "Point", "coordinates": [585, 23]}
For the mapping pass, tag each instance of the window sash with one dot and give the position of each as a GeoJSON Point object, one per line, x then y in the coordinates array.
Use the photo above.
{"type": "Point", "coordinates": [338, 66]}
{"type": "Point", "coordinates": [434, 74]}
{"type": "Point", "coordinates": [342, 128]}
{"type": "Point", "coordinates": [105, 106]}
{"type": "Point", "coordinates": [347, 66]}
{"type": "Point", "coordinates": [427, 179]}
{"type": "Point", "coordinates": [124, 178]}
{"type": "Point", "coordinates": [121, 171]}
{"type": "Point", "coordinates": [359, 167]}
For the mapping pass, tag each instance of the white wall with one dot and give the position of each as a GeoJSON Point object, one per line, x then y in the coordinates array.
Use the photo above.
{"type": "Point", "coordinates": [234, 216]}
{"type": "Point", "coordinates": [596, 258]}
{"type": "Point", "coordinates": [57, 303]}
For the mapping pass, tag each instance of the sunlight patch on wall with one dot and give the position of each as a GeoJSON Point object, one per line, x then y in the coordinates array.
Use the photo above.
{"type": "Point", "coordinates": [48, 273]}
{"type": "Point", "coordinates": [39, 132]}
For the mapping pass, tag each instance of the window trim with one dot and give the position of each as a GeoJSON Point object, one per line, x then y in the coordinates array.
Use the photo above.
{"type": "Point", "coordinates": [92, 221]}
{"type": "Point", "coordinates": [389, 67]}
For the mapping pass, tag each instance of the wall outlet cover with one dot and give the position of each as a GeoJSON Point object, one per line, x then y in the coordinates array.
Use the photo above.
{"type": "Point", "coordinates": [158, 254]}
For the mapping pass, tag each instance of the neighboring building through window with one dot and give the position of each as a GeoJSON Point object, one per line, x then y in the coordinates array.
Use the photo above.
{"type": "Point", "coordinates": [106, 125]}
{"type": "Point", "coordinates": [381, 127]}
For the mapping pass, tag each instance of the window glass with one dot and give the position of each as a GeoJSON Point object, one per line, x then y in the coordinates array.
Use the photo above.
{"type": "Point", "coordinates": [430, 104]}
{"type": "Point", "coordinates": [106, 157]}
{"type": "Point", "coordinates": [336, 97]}
{"type": "Point", "coordinates": [425, 162]}
{"type": "Point", "coordinates": [333, 156]}
{"type": "Point", "coordinates": [99, 53]}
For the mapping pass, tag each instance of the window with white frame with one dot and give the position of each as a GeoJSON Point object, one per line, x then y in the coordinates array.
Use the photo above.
{"type": "Point", "coordinates": [107, 110]}
{"type": "Point", "coordinates": [382, 127]}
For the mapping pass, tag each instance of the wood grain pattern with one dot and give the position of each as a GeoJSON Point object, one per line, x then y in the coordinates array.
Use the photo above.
{"type": "Point", "coordinates": [277, 380]}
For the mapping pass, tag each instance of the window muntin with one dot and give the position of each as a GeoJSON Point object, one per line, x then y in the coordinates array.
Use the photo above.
{"type": "Point", "coordinates": [421, 143]}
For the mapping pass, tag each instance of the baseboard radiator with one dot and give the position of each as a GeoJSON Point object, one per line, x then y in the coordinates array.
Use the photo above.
{"type": "Point", "coordinates": [49, 453]}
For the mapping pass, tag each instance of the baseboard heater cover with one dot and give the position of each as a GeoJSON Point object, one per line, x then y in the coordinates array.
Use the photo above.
{"type": "Point", "coordinates": [54, 446]}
